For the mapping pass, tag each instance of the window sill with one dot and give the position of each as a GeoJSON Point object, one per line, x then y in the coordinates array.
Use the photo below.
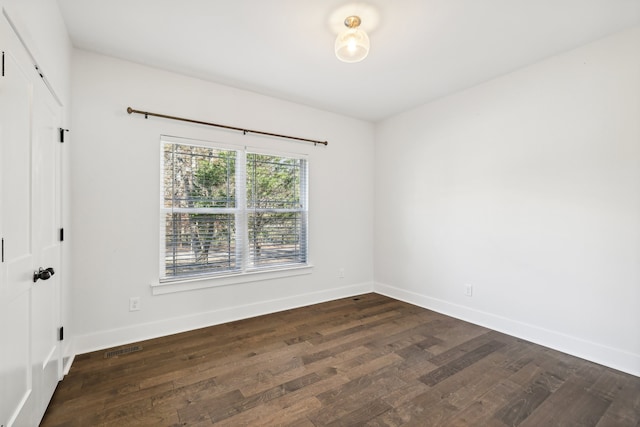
{"type": "Point", "coordinates": [161, 288]}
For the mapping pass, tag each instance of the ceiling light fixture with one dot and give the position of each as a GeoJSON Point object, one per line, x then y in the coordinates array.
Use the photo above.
{"type": "Point", "coordinates": [352, 45]}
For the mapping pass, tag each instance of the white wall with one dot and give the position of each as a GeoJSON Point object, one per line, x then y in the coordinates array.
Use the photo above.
{"type": "Point", "coordinates": [116, 195]}
{"type": "Point", "coordinates": [528, 188]}
{"type": "Point", "coordinates": [40, 25]}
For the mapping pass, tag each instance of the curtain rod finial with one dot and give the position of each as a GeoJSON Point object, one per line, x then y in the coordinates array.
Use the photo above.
{"type": "Point", "coordinates": [129, 110]}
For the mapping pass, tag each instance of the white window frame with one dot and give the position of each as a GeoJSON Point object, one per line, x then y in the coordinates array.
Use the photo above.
{"type": "Point", "coordinates": [244, 273]}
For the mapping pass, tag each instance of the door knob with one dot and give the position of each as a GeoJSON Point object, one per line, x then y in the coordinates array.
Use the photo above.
{"type": "Point", "coordinates": [43, 274]}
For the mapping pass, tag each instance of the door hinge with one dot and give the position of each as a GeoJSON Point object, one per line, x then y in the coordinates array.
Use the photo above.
{"type": "Point", "coordinates": [3, 249]}
{"type": "Point", "coordinates": [61, 333]}
{"type": "Point", "coordinates": [62, 234]}
{"type": "Point", "coordinates": [2, 64]}
{"type": "Point", "coordinates": [62, 131]}
{"type": "Point", "coordinates": [38, 71]}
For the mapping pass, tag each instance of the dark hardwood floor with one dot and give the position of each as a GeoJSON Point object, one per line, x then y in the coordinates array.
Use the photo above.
{"type": "Point", "coordinates": [368, 360]}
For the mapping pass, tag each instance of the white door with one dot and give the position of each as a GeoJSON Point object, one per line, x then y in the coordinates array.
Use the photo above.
{"type": "Point", "coordinates": [46, 219]}
{"type": "Point", "coordinates": [30, 364]}
{"type": "Point", "coordinates": [17, 250]}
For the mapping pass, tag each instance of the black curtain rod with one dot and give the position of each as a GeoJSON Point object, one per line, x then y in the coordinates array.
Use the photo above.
{"type": "Point", "coordinates": [244, 131]}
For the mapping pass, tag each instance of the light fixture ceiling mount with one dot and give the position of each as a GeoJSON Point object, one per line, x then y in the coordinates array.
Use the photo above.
{"type": "Point", "coordinates": [352, 21]}
{"type": "Point", "coordinates": [352, 45]}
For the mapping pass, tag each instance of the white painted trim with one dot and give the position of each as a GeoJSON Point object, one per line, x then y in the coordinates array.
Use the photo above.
{"type": "Point", "coordinates": [598, 353]}
{"type": "Point", "coordinates": [21, 410]}
{"type": "Point", "coordinates": [32, 57]}
{"type": "Point", "coordinates": [66, 365]}
{"type": "Point", "coordinates": [139, 332]}
{"type": "Point", "coordinates": [168, 287]}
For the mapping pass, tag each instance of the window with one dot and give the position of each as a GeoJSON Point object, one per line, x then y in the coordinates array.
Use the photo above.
{"type": "Point", "coordinates": [230, 211]}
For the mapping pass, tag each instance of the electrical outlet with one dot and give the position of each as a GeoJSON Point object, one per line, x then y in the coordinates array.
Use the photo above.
{"type": "Point", "coordinates": [341, 273]}
{"type": "Point", "coordinates": [134, 304]}
{"type": "Point", "coordinates": [468, 290]}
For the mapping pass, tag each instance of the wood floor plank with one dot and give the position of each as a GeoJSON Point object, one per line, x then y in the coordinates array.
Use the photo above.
{"type": "Point", "coordinates": [339, 403]}
{"type": "Point", "coordinates": [624, 391]}
{"type": "Point", "coordinates": [483, 409]}
{"type": "Point", "coordinates": [441, 404]}
{"type": "Point", "coordinates": [199, 411]}
{"type": "Point", "coordinates": [273, 415]}
{"type": "Point", "coordinates": [224, 410]}
{"type": "Point", "coordinates": [312, 390]}
{"type": "Point", "coordinates": [525, 402]}
{"type": "Point", "coordinates": [366, 360]}
{"type": "Point", "coordinates": [570, 405]}
{"type": "Point", "coordinates": [462, 362]}
{"type": "Point", "coordinates": [361, 415]}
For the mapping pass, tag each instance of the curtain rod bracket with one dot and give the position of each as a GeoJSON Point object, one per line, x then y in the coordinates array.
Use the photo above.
{"type": "Point", "coordinates": [244, 131]}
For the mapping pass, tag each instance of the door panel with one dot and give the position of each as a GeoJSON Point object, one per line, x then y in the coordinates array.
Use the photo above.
{"type": "Point", "coordinates": [16, 373]}
{"type": "Point", "coordinates": [30, 214]}
{"type": "Point", "coordinates": [15, 285]}
{"type": "Point", "coordinates": [45, 297]}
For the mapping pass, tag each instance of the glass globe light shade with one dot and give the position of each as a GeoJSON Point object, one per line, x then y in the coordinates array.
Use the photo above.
{"type": "Point", "coordinates": [352, 45]}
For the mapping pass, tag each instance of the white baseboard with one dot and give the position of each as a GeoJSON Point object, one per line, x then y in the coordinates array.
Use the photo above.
{"type": "Point", "coordinates": [607, 356]}
{"type": "Point", "coordinates": [67, 356]}
{"type": "Point", "coordinates": [66, 364]}
{"type": "Point", "coordinates": [139, 332]}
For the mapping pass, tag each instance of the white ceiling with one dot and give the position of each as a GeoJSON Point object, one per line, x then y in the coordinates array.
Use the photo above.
{"type": "Point", "coordinates": [420, 49]}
